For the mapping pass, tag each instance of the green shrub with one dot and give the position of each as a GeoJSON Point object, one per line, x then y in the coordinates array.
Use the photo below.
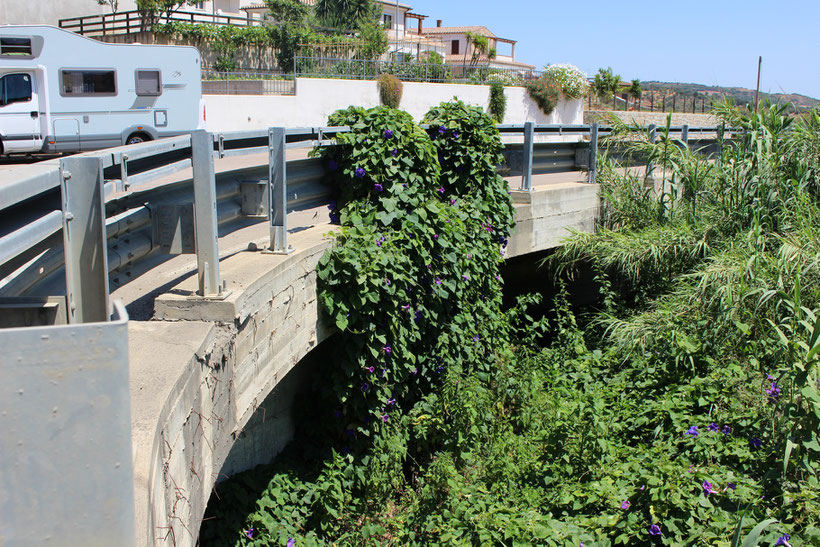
{"type": "Point", "coordinates": [545, 92]}
{"type": "Point", "coordinates": [390, 89]}
{"type": "Point", "coordinates": [498, 102]}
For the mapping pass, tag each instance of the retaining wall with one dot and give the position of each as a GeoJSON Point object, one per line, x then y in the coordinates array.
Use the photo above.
{"type": "Point", "coordinates": [658, 118]}
{"type": "Point", "coordinates": [317, 98]}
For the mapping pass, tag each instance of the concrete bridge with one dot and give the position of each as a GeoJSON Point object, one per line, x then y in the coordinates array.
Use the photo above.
{"type": "Point", "coordinates": [211, 379]}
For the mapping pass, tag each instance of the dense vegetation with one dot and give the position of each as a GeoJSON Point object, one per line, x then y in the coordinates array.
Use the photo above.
{"type": "Point", "coordinates": [681, 409]}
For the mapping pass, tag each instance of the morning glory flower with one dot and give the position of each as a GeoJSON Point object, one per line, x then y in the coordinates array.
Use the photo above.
{"type": "Point", "coordinates": [455, 134]}
{"type": "Point", "coordinates": [784, 540]}
{"type": "Point", "coordinates": [385, 417]}
{"type": "Point", "coordinates": [755, 442]}
{"type": "Point", "coordinates": [395, 152]}
{"type": "Point", "coordinates": [365, 386]}
{"type": "Point", "coordinates": [360, 172]}
{"type": "Point", "coordinates": [388, 134]}
{"type": "Point", "coordinates": [291, 542]}
{"type": "Point", "coordinates": [707, 487]}
{"type": "Point", "coordinates": [378, 187]}
{"type": "Point", "coordinates": [773, 390]}
{"type": "Point", "coordinates": [693, 431]}
{"type": "Point", "coordinates": [391, 402]}
{"type": "Point", "coordinates": [441, 189]}
{"type": "Point", "coordinates": [654, 530]}
{"type": "Point", "coordinates": [625, 505]}
{"type": "Point", "coordinates": [387, 281]}
{"type": "Point", "coordinates": [727, 430]}
{"type": "Point", "coordinates": [713, 427]}
{"type": "Point", "coordinates": [442, 130]}
{"type": "Point", "coordinates": [731, 486]}
{"type": "Point", "coordinates": [387, 349]}
{"type": "Point", "coordinates": [370, 369]}
{"type": "Point", "coordinates": [249, 533]}
{"type": "Point", "coordinates": [438, 281]}
{"type": "Point", "coordinates": [475, 338]}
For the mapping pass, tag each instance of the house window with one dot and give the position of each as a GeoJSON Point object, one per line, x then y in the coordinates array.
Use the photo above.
{"type": "Point", "coordinates": [16, 47]}
{"type": "Point", "coordinates": [149, 82]}
{"type": "Point", "coordinates": [388, 21]}
{"type": "Point", "coordinates": [454, 48]}
{"type": "Point", "coordinates": [15, 88]}
{"type": "Point", "coordinates": [87, 83]}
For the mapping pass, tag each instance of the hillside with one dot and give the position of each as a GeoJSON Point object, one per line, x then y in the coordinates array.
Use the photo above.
{"type": "Point", "coordinates": [741, 95]}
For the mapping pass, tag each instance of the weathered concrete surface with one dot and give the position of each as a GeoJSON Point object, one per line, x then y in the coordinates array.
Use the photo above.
{"type": "Point", "coordinates": [203, 369]}
{"type": "Point", "coordinates": [558, 204]}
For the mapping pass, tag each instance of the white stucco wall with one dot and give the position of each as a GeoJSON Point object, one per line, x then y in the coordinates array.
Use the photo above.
{"type": "Point", "coordinates": [49, 12]}
{"type": "Point", "coordinates": [316, 99]}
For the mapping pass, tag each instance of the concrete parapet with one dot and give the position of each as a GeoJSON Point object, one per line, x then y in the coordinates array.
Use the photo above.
{"type": "Point", "coordinates": [201, 371]}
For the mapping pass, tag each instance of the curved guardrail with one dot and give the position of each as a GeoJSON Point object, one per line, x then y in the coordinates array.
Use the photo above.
{"type": "Point", "coordinates": [144, 207]}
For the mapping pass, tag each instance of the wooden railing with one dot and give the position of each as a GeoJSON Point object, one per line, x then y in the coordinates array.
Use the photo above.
{"type": "Point", "coordinates": [128, 22]}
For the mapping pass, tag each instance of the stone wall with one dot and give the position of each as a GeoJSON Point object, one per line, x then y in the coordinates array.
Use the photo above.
{"type": "Point", "coordinates": [658, 118]}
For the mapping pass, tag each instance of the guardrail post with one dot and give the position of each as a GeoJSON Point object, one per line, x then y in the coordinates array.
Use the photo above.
{"type": "Point", "coordinates": [526, 165]}
{"type": "Point", "coordinates": [84, 238]}
{"type": "Point", "coordinates": [205, 219]}
{"type": "Point", "coordinates": [649, 179]}
{"type": "Point", "coordinates": [684, 135]}
{"type": "Point", "coordinates": [277, 192]}
{"type": "Point", "coordinates": [593, 152]}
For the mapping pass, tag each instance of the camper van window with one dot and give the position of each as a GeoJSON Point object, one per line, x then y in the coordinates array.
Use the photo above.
{"type": "Point", "coordinates": [14, 46]}
{"type": "Point", "coordinates": [15, 88]}
{"type": "Point", "coordinates": [149, 82]}
{"type": "Point", "coordinates": [87, 83]}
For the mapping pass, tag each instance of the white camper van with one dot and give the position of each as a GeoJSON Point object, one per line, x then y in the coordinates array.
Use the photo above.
{"type": "Point", "coordinates": [61, 92]}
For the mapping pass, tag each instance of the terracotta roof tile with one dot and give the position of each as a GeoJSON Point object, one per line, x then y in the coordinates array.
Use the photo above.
{"type": "Point", "coordinates": [482, 30]}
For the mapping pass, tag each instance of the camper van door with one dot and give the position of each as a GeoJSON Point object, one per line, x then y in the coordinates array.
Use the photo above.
{"type": "Point", "coordinates": [20, 113]}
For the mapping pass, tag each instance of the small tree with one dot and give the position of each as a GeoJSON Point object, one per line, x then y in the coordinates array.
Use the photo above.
{"type": "Point", "coordinates": [374, 40]}
{"type": "Point", "coordinates": [635, 90]}
{"type": "Point", "coordinates": [113, 4]}
{"type": "Point", "coordinates": [606, 83]}
{"type": "Point", "coordinates": [167, 7]}
{"type": "Point", "coordinates": [288, 11]}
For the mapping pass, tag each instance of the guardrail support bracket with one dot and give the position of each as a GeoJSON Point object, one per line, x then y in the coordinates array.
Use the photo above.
{"type": "Point", "coordinates": [277, 193]}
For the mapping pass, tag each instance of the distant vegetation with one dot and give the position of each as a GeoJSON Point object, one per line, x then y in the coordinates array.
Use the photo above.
{"type": "Point", "coordinates": [740, 95]}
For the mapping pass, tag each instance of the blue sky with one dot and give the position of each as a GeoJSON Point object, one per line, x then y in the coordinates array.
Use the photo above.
{"type": "Point", "coordinates": [713, 43]}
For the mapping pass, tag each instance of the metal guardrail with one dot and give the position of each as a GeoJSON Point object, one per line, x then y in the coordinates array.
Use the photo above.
{"type": "Point", "coordinates": [147, 212]}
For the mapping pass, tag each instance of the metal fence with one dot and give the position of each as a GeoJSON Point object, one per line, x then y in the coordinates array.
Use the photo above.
{"type": "Point", "coordinates": [129, 22]}
{"type": "Point", "coordinates": [369, 69]}
{"type": "Point", "coordinates": [247, 82]}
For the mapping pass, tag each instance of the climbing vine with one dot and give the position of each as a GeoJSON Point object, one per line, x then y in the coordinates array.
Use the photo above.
{"type": "Point", "coordinates": [413, 280]}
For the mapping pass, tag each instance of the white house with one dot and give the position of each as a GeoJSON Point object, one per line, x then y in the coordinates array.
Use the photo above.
{"type": "Point", "coordinates": [460, 50]}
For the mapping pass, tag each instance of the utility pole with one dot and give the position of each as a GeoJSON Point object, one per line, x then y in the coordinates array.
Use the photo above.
{"type": "Point", "coordinates": [757, 89]}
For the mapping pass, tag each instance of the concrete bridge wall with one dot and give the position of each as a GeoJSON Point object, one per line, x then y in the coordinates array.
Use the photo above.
{"type": "Point", "coordinates": [201, 369]}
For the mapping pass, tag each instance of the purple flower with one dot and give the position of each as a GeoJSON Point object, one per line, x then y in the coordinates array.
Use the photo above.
{"type": "Point", "coordinates": [378, 187]}
{"type": "Point", "coordinates": [713, 427]}
{"type": "Point", "coordinates": [466, 277]}
{"type": "Point", "coordinates": [291, 542]}
{"type": "Point", "coordinates": [406, 307]}
{"type": "Point", "coordinates": [784, 540]}
{"type": "Point", "coordinates": [388, 134]}
{"type": "Point", "coordinates": [455, 134]}
{"type": "Point", "coordinates": [438, 281]}
{"type": "Point", "coordinates": [769, 377]}
{"type": "Point", "coordinates": [414, 371]}
{"type": "Point", "coordinates": [727, 430]}
{"type": "Point", "coordinates": [387, 281]}
{"type": "Point", "coordinates": [642, 487]}
{"type": "Point", "coordinates": [773, 390]}
{"type": "Point", "coordinates": [625, 505]}
{"type": "Point", "coordinates": [365, 386]}
{"type": "Point", "coordinates": [693, 431]}
{"type": "Point", "coordinates": [755, 442]}
{"type": "Point", "coordinates": [441, 189]}
{"type": "Point", "coordinates": [452, 201]}
{"type": "Point", "coordinates": [249, 533]}
{"type": "Point", "coordinates": [370, 369]}
{"type": "Point", "coordinates": [395, 152]}
{"type": "Point", "coordinates": [731, 486]}
{"type": "Point", "coordinates": [654, 530]}
{"type": "Point", "coordinates": [418, 316]}
{"type": "Point", "coordinates": [707, 487]}
{"type": "Point", "coordinates": [435, 236]}
{"type": "Point", "coordinates": [391, 402]}
{"type": "Point", "coordinates": [332, 165]}
{"type": "Point", "coordinates": [360, 172]}
{"type": "Point", "coordinates": [387, 349]}
{"type": "Point", "coordinates": [442, 130]}
{"type": "Point", "coordinates": [476, 338]}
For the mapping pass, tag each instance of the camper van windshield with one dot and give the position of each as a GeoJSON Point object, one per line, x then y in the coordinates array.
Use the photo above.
{"type": "Point", "coordinates": [15, 88]}
{"type": "Point", "coordinates": [84, 83]}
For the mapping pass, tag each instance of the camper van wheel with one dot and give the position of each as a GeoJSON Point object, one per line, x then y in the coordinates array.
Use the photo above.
{"type": "Point", "coordinates": [136, 138]}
